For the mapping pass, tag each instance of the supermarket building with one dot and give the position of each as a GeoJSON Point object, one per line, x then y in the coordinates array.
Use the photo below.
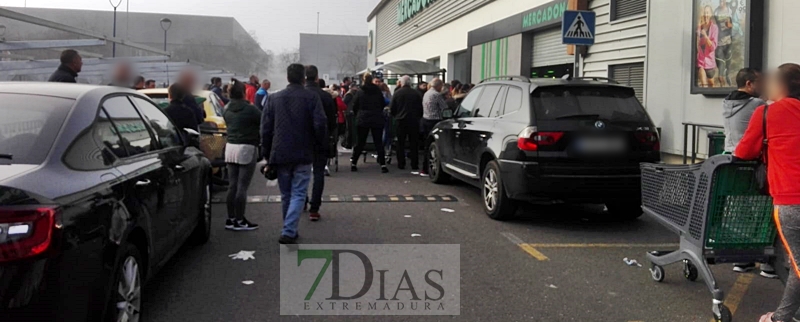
{"type": "Point", "coordinates": [646, 44]}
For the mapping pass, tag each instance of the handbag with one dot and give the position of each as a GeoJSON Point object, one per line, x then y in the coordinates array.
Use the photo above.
{"type": "Point", "coordinates": [761, 169]}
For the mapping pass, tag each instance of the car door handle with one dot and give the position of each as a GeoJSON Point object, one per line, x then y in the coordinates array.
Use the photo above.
{"type": "Point", "coordinates": [142, 183]}
{"type": "Point", "coordinates": [483, 136]}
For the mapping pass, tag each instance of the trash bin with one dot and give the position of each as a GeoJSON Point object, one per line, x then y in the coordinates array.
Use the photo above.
{"type": "Point", "coordinates": [716, 143]}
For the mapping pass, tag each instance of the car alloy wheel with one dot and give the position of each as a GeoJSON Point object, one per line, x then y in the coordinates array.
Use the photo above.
{"type": "Point", "coordinates": [129, 291]}
{"type": "Point", "coordinates": [490, 190]}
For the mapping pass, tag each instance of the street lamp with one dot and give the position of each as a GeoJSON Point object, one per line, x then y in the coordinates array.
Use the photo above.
{"type": "Point", "coordinates": [165, 24]}
{"type": "Point", "coordinates": [114, 45]}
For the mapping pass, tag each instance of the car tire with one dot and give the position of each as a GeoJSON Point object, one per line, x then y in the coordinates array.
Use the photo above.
{"type": "Point", "coordinates": [436, 171]}
{"type": "Point", "coordinates": [202, 232]}
{"type": "Point", "coordinates": [624, 210]}
{"type": "Point", "coordinates": [496, 203]}
{"type": "Point", "coordinates": [125, 294]}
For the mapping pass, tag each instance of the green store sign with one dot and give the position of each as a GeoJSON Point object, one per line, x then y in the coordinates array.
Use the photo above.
{"type": "Point", "coordinates": [544, 15]}
{"type": "Point", "coordinates": [407, 9]}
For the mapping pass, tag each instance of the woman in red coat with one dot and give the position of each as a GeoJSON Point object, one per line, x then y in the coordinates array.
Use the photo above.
{"type": "Point", "coordinates": [783, 160]}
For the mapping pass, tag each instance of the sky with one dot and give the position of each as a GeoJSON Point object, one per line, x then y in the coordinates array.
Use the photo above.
{"type": "Point", "coordinates": [277, 23]}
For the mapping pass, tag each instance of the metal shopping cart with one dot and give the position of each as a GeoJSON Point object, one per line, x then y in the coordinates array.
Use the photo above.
{"type": "Point", "coordinates": [716, 209]}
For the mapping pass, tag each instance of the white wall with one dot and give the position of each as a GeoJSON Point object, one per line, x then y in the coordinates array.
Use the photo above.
{"type": "Point", "coordinates": [453, 36]}
{"type": "Point", "coordinates": [669, 59]}
{"type": "Point", "coordinates": [616, 42]}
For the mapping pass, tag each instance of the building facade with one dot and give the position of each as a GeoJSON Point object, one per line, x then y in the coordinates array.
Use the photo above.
{"type": "Point", "coordinates": [762, 37]}
{"type": "Point", "coordinates": [650, 45]}
{"type": "Point", "coordinates": [336, 56]}
{"type": "Point", "coordinates": [477, 39]}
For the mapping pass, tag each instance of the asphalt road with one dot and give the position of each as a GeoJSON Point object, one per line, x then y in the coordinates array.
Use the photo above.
{"type": "Point", "coordinates": [582, 277]}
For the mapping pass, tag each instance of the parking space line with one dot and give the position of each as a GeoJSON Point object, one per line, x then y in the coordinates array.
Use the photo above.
{"type": "Point", "coordinates": [533, 252]}
{"type": "Point", "coordinates": [735, 295]}
{"type": "Point", "coordinates": [525, 247]}
{"type": "Point", "coordinates": [601, 245]}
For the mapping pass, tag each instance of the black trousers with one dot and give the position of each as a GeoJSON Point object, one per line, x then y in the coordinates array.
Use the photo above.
{"type": "Point", "coordinates": [408, 132]}
{"type": "Point", "coordinates": [377, 139]}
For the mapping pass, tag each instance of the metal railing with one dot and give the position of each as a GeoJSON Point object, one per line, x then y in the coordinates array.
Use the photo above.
{"type": "Point", "coordinates": [696, 127]}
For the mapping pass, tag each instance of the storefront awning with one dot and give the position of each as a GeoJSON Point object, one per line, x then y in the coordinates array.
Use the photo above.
{"type": "Point", "coordinates": [408, 67]}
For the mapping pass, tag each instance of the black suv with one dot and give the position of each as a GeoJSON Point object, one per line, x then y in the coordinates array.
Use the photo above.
{"type": "Point", "coordinates": [542, 140]}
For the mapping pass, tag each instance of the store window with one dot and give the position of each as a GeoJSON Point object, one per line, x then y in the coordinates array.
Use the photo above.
{"type": "Point", "coordinates": [621, 9]}
{"type": "Point", "coordinates": [629, 75]}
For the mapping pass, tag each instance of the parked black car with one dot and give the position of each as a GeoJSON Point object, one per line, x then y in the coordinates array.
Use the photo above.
{"type": "Point", "coordinates": [97, 191]}
{"type": "Point", "coordinates": [571, 140]}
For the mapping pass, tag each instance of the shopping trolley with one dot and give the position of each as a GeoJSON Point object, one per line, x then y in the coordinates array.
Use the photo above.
{"type": "Point", "coordinates": [716, 209]}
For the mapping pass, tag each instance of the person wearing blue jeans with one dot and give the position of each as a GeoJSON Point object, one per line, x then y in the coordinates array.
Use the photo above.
{"type": "Point", "coordinates": [293, 125]}
{"type": "Point", "coordinates": [293, 183]}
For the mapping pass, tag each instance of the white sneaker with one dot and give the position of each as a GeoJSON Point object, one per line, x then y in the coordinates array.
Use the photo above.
{"type": "Point", "coordinates": [416, 173]}
{"type": "Point", "coordinates": [424, 175]}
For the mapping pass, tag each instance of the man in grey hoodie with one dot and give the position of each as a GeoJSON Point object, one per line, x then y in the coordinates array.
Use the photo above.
{"type": "Point", "coordinates": [738, 107]}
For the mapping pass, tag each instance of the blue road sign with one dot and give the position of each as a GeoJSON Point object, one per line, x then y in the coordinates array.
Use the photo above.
{"type": "Point", "coordinates": [577, 27]}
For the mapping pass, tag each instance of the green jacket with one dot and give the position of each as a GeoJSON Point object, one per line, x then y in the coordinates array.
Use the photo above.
{"type": "Point", "coordinates": [243, 121]}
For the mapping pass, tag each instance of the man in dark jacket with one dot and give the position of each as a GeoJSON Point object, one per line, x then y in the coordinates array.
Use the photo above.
{"type": "Point", "coordinates": [181, 115]}
{"type": "Point", "coordinates": [406, 107]}
{"type": "Point", "coordinates": [292, 125]}
{"type": "Point", "coordinates": [368, 105]}
{"type": "Point", "coordinates": [216, 87]}
{"type": "Point", "coordinates": [322, 153]}
{"type": "Point", "coordinates": [187, 80]}
{"type": "Point", "coordinates": [71, 64]}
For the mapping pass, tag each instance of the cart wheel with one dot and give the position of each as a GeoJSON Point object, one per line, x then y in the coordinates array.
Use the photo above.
{"type": "Point", "coordinates": [689, 270]}
{"type": "Point", "coordinates": [724, 314]}
{"type": "Point", "coordinates": [657, 272]}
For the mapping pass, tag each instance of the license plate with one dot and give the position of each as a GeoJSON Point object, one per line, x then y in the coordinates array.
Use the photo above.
{"type": "Point", "coordinates": [601, 145]}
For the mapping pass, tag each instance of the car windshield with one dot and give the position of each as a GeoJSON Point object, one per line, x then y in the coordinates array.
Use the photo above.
{"type": "Point", "coordinates": [30, 121]}
{"type": "Point", "coordinates": [581, 102]}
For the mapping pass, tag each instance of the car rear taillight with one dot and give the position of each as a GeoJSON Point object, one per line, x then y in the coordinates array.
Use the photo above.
{"type": "Point", "coordinates": [26, 231]}
{"type": "Point", "coordinates": [530, 139]}
{"type": "Point", "coordinates": [649, 140]}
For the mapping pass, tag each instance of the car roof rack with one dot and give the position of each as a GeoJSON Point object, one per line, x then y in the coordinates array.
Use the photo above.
{"type": "Point", "coordinates": [597, 79]}
{"type": "Point", "coordinates": [507, 77]}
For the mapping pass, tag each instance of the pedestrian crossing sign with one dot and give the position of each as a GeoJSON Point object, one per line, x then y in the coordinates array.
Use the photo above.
{"type": "Point", "coordinates": [578, 27]}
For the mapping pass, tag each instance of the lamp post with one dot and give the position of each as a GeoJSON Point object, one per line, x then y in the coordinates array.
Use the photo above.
{"type": "Point", "coordinates": [165, 24]}
{"type": "Point", "coordinates": [114, 45]}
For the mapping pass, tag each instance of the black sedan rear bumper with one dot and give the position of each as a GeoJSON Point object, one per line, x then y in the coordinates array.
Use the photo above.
{"type": "Point", "coordinates": [528, 181]}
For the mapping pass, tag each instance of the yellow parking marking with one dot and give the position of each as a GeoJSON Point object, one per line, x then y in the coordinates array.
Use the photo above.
{"type": "Point", "coordinates": [431, 198]}
{"type": "Point", "coordinates": [408, 198]}
{"type": "Point", "coordinates": [371, 199]}
{"type": "Point", "coordinates": [334, 198]}
{"type": "Point", "coordinates": [445, 198]}
{"type": "Point", "coordinates": [356, 198]}
{"type": "Point", "coordinates": [394, 198]}
{"type": "Point", "coordinates": [533, 252]}
{"type": "Point", "coordinates": [735, 295]}
{"type": "Point", "coordinates": [603, 245]}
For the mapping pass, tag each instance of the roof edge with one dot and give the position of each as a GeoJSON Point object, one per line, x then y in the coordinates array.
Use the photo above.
{"type": "Point", "coordinates": [377, 9]}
